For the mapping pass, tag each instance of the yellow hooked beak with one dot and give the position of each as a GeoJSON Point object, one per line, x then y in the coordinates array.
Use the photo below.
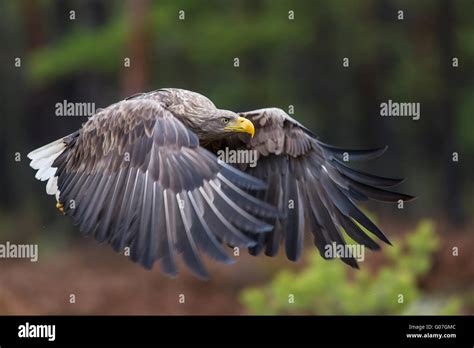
{"type": "Point", "coordinates": [241, 125]}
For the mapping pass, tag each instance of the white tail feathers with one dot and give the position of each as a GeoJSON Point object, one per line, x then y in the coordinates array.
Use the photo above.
{"type": "Point", "coordinates": [42, 160]}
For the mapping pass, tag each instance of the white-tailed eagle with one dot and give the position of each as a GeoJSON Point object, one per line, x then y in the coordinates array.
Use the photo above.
{"type": "Point", "coordinates": [143, 173]}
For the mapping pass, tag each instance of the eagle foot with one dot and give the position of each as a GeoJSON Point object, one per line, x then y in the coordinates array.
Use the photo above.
{"type": "Point", "coordinates": [60, 207]}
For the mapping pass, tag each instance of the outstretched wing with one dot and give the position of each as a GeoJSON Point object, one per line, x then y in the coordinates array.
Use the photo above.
{"type": "Point", "coordinates": [311, 183]}
{"type": "Point", "coordinates": [135, 176]}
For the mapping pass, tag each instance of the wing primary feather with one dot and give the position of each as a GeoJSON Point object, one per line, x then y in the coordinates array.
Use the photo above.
{"type": "Point", "coordinates": [346, 207]}
{"type": "Point", "coordinates": [91, 215]}
{"type": "Point", "coordinates": [116, 240]}
{"type": "Point", "coordinates": [354, 155]}
{"type": "Point", "coordinates": [356, 233]}
{"type": "Point", "coordinates": [155, 224]}
{"type": "Point", "coordinates": [294, 240]}
{"type": "Point", "coordinates": [106, 225]}
{"type": "Point", "coordinates": [237, 215]}
{"type": "Point", "coordinates": [251, 203]}
{"type": "Point", "coordinates": [141, 250]}
{"type": "Point", "coordinates": [240, 178]}
{"type": "Point", "coordinates": [206, 239]}
{"type": "Point", "coordinates": [220, 225]}
{"type": "Point", "coordinates": [365, 178]}
{"type": "Point", "coordinates": [379, 194]}
{"type": "Point", "coordinates": [187, 243]}
{"type": "Point", "coordinates": [167, 248]}
{"type": "Point", "coordinates": [128, 229]}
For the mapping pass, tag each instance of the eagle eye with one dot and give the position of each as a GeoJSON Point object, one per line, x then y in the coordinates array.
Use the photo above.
{"type": "Point", "coordinates": [225, 120]}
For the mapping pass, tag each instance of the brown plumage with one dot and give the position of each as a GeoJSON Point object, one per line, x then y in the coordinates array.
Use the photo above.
{"type": "Point", "coordinates": [138, 174]}
{"type": "Point", "coordinates": [311, 176]}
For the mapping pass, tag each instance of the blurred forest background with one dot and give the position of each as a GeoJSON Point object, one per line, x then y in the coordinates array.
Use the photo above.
{"type": "Point", "coordinates": [76, 51]}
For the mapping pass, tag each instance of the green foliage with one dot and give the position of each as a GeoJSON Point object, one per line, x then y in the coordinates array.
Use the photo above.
{"type": "Point", "coordinates": [330, 287]}
{"type": "Point", "coordinates": [79, 50]}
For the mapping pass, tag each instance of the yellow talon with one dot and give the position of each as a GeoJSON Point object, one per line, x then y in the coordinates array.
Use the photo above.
{"type": "Point", "coordinates": [60, 207]}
